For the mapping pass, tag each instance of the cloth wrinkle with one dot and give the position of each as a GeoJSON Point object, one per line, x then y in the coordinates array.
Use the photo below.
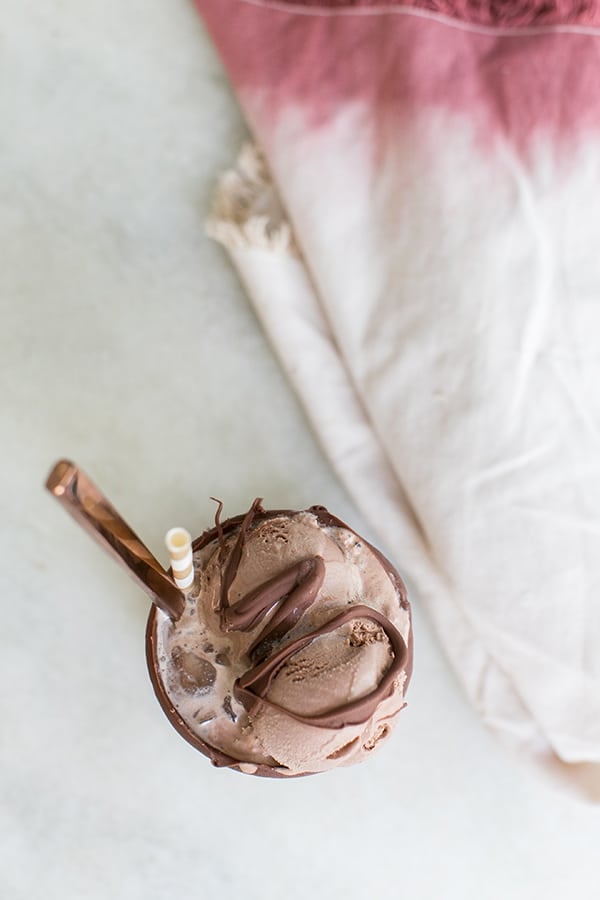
{"type": "Point", "coordinates": [535, 325]}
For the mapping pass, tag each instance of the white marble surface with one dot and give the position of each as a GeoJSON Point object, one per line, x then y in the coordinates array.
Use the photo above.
{"type": "Point", "coordinates": [127, 344]}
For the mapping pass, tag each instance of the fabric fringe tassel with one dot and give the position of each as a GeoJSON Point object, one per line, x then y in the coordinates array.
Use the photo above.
{"type": "Point", "coordinates": [247, 211]}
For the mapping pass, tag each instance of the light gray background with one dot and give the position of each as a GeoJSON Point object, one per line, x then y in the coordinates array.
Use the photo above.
{"type": "Point", "coordinates": [128, 345]}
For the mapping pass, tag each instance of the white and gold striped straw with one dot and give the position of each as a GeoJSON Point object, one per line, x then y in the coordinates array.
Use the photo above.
{"type": "Point", "coordinates": [179, 545]}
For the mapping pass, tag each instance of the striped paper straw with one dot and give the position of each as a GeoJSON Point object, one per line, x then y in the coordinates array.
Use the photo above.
{"type": "Point", "coordinates": [179, 545]}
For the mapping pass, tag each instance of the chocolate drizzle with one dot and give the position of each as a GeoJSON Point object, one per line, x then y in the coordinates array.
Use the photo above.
{"type": "Point", "coordinates": [291, 594]}
{"type": "Point", "coordinates": [252, 689]}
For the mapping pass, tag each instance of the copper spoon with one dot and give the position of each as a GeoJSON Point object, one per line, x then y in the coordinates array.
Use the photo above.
{"type": "Point", "coordinates": [90, 508]}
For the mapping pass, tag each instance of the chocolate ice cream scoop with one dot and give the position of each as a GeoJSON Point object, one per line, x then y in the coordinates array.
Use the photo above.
{"type": "Point", "coordinates": [294, 650]}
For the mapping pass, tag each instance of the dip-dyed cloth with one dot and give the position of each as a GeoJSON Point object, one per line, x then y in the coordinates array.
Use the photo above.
{"type": "Point", "coordinates": [433, 291]}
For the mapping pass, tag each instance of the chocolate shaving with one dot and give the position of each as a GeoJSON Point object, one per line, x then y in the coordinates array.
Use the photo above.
{"type": "Point", "coordinates": [219, 527]}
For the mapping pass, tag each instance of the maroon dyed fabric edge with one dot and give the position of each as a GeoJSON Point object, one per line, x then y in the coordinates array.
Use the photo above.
{"type": "Point", "coordinates": [516, 87]}
{"type": "Point", "coordinates": [500, 13]}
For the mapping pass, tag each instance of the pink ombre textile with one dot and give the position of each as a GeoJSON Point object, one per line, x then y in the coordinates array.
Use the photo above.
{"type": "Point", "coordinates": [439, 167]}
